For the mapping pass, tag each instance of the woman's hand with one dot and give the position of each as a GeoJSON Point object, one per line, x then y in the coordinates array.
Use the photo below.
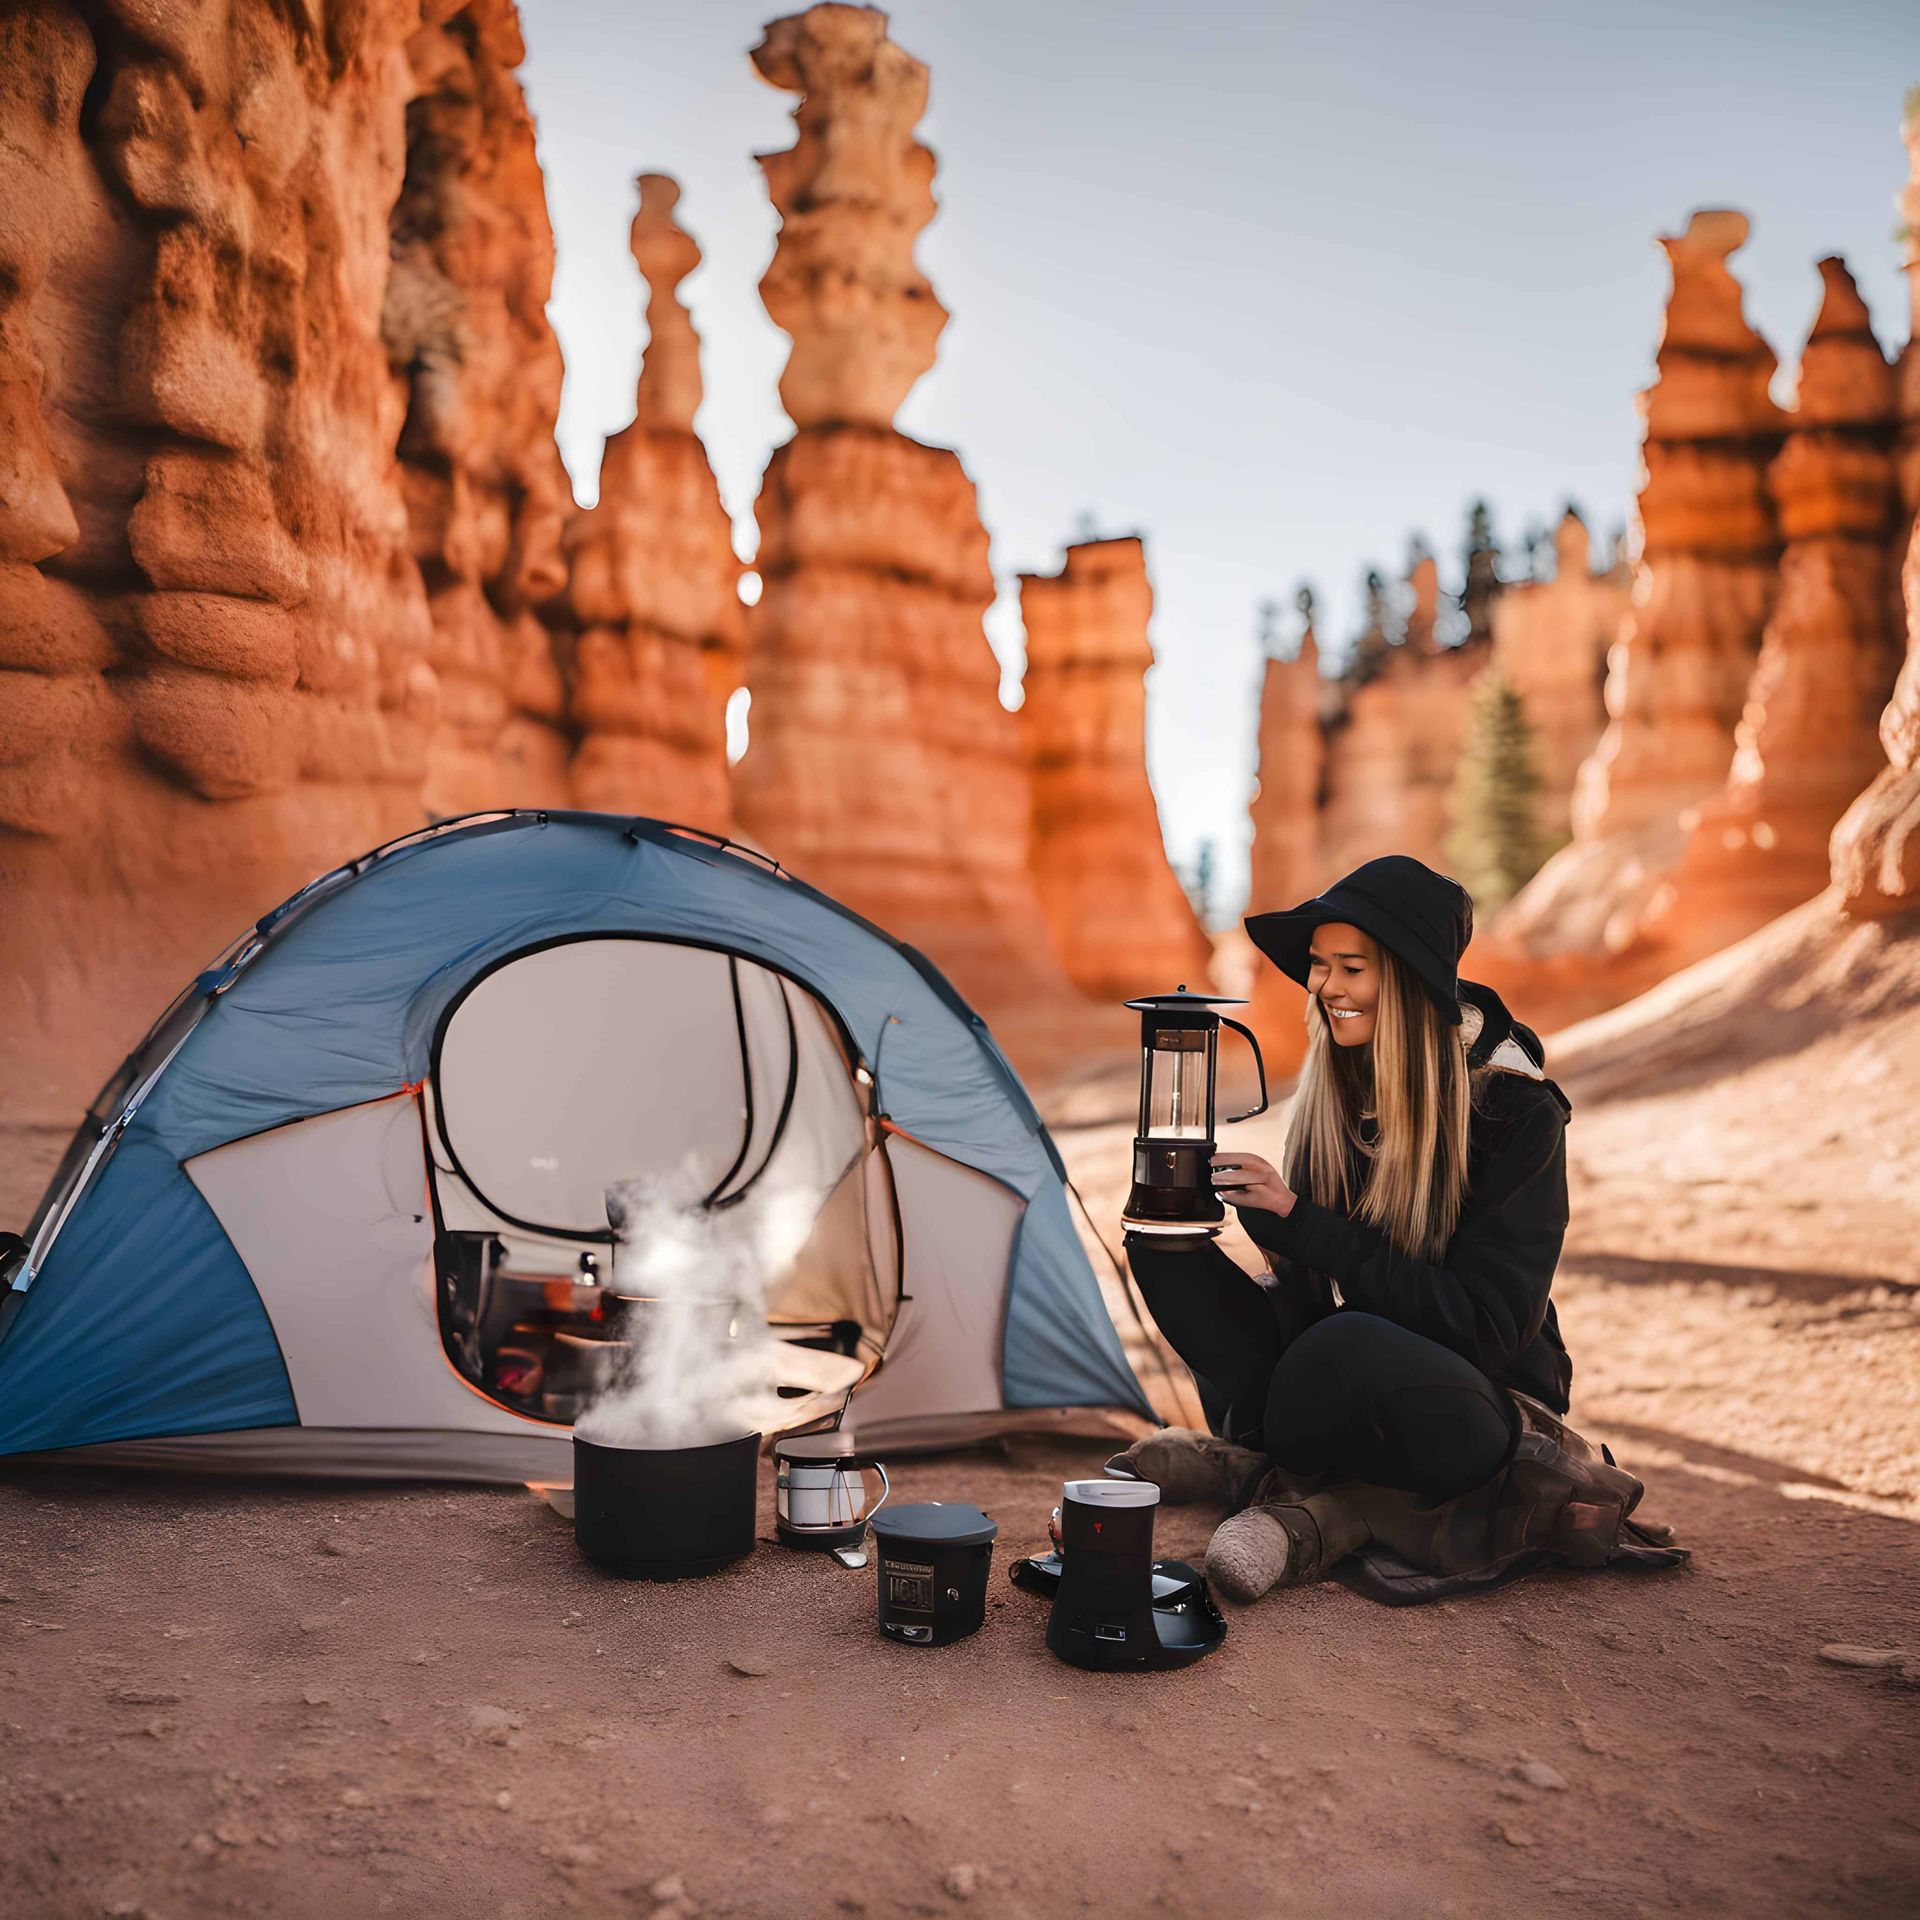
{"type": "Point", "coordinates": [1245, 1180]}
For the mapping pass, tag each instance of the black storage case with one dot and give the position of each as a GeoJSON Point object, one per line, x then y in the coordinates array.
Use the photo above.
{"type": "Point", "coordinates": [932, 1561]}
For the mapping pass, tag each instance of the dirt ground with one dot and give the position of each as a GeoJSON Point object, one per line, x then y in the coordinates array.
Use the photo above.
{"type": "Point", "coordinates": [223, 1698]}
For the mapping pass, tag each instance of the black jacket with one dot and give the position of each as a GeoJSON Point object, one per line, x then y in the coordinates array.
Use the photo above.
{"type": "Point", "coordinates": [1487, 1299]}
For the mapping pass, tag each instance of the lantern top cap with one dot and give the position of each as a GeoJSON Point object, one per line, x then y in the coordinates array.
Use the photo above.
{"type": "Point", "coordinates": [1180, 999]}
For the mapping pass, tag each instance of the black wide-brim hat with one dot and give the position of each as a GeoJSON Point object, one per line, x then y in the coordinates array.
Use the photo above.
{"type": "Point", "coordinates": [1423, 918]}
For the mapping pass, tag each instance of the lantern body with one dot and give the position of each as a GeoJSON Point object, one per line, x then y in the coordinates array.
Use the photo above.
{"type": "Point", "coordinates": [1173, 1147]}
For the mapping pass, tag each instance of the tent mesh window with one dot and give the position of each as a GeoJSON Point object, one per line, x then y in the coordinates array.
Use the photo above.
{"type": "Point", "coordinates": [685, 1078]}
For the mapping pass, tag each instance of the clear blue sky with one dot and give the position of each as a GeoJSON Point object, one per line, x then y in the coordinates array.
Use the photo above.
{"type": "Point", "coordinates": [1273, 285]}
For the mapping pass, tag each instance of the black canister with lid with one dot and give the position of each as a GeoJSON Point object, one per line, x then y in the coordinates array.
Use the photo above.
{"type": "Point", "coordinates": [933, 1558]}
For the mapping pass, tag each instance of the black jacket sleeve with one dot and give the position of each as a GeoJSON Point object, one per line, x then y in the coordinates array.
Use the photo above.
{"type": "Point", "coordinates": [1487, 1299]}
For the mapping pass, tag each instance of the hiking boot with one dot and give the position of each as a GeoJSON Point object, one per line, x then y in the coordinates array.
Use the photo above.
{"type": "Point", "coordinates": [1284, 1542]}
{"type": "Point", "coordinates": [1557, 1498]}
{"type": "Point", "coordinates": [1188, 1466]}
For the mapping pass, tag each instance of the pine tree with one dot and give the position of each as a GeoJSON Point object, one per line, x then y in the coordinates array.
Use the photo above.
{"type": "Point", "coordinates": [1374, 642]}
{"type": "Point", "coordinates": [1199, 884]}
{"type": "Point", "coordinates": [1269, 629]}
{"type": "Point", "coordinates": [1495, 843]}
{"type": "Point", "coordinates": [1480, 586]}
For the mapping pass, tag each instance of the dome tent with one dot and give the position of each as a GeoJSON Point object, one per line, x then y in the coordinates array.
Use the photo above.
{"type": "Point", "coordinates": [406, 1090]}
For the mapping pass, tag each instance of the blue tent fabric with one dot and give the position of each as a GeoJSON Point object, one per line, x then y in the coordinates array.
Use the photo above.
{"type": "Point", "coordinates": [144, 1322]}
{"type": "Point", "coordinates": [341, 1005]}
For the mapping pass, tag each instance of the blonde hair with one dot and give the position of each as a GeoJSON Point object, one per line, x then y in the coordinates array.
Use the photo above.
{"type": "Point", "coordinates": [1413, 1078]}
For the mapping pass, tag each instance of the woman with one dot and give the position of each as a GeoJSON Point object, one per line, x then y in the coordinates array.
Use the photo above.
{"type": "Point", "coordinates": [1396, 1376]}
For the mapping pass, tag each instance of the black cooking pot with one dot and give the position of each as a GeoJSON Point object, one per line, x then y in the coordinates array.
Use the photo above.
{"type": "Point", "coordinates": [664, 1513]}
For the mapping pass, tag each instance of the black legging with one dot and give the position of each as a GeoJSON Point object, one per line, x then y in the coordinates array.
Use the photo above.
{"type": "Point", "coordinates": [1350, 1396]}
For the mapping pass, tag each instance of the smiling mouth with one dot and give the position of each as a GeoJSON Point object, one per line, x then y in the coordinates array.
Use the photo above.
{"type": "Point", "coordinates": [1344, 1013]}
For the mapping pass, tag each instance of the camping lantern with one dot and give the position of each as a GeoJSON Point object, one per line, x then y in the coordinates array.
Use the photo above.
{"type": "Point", "coordinates": [1173, 1191]}
{"type": "Point", "coordinates": [819, 1493]}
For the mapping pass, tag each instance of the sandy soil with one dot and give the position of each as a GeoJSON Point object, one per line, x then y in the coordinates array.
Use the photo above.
{"type": "Point", "coordinates": [229, 1698]}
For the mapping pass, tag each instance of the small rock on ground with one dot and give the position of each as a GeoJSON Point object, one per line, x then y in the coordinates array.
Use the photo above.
{"type": "Point", "coordinates": [1536, 1773]}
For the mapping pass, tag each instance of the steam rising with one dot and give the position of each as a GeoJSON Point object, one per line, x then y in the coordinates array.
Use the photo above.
{"type": "Point", "coordinates": [702, 1366]}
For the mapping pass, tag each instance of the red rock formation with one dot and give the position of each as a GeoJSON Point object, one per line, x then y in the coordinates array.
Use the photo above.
{"type": "Point", "coordinates": [467, 333]}
{"type": "Point", "coordinates": [1875, 852]}
{"type": "Point", "coordinates": [1423, 601]}
{"type": "Point", "coordinates": [1550, 642]}
{"type": "Point", "coordinates": [654, 581]}
{"type": "Point", "coordinates": [245, 254]}
{"type": "Point", "coordinates": [1809, 738]}
{"type": "Point", "coordinates": [1392, 748]}
{"type": "Point", "coordinates": [881, 765]}
{"type": "Point", "coordinates": [1678, 675]}
{"type": "Point", "coordinates": [212, 641]}
{"type": "Point", "coordinates": [1118, 916]}
{"type": "Point", "coordinates": [1288, 864]}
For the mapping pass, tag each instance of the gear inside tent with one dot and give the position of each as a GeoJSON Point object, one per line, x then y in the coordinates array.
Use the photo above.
{"type": "Point", "coordinates": [345, 1209]}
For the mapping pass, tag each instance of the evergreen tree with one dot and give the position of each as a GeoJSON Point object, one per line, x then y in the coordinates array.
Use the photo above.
{"type": "Point", "coordinates": [1269, 629]}
{"type": "Point", "coordinates": [1494, 843]}
{"type": "Point", "coordinates": [1374, 642]}
{"type": "Point", "coordinates": [1199, 884]}
{"type": "Point", "coordinates": [1418, 626]}
{"type": "Point", "coordinates": [1480, 585]}
{"type": "Point", "coordinates": [1303, 605]}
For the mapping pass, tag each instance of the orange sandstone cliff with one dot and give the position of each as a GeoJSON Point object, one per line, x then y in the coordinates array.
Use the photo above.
{"type": "Point", "coordinates": [1393, 744]}
{"type": "Point", "coordinates": [1875, 852]}
{"type": "Point", "coordinates": [1288, 863]}
{"type": "Point", "coordinates": [653, 577]}
{"type": "Point", "coordinates": [214, 644]}
{"type": "Point", "coordinates": [278, 490]}
{"type": "Point", "coordinates": [1678, 675]}
{"type": "Point", "coordinates": [1120, 921]}
{"type": "Point", "coordinates": [1809, 738]}
{"type": "Point", "coordinates": [467, 334]}
{"type": "Point", "coordinates": [880, 765]}
{"type": "Point", "coordinates": [1550, 642]}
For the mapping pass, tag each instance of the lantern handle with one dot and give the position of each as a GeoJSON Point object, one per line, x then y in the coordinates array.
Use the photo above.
{"type": "Point", "coordinates": [1259, 1067]}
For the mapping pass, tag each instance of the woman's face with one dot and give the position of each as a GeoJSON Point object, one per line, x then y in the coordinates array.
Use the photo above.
{"type": "Point", "coordinates": [1343, 974]}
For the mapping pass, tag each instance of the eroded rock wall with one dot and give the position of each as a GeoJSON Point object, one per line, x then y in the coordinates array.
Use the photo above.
{"type": "Point", "coordinates": [654, 584]}
{"type": "Point", "coordinates": [1288, 862]}
{"type": "Point", "coordinates": [1392, 749]}
{"type": "Point", "coordinates": [276, 471]}
{"type": "Point", "coordinates": [214, 642]}
{"type": "Point", "coordinates": [880, 765]}
{"type": "Point", "coordinates": [1423, 603]}
{"type": "Point", "coordinates": [1550, 642]}
{"type": "Point", "coordinates": [1875, 852]}
{"type": "Point", "coordinates": [1808, 740]}
{"type": "Point", "coordinates": [1120, 921]}
{"type": "Point", "coordinates": [1678, 674]}
{"type": "Point", "coordinates": [465, 323]}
